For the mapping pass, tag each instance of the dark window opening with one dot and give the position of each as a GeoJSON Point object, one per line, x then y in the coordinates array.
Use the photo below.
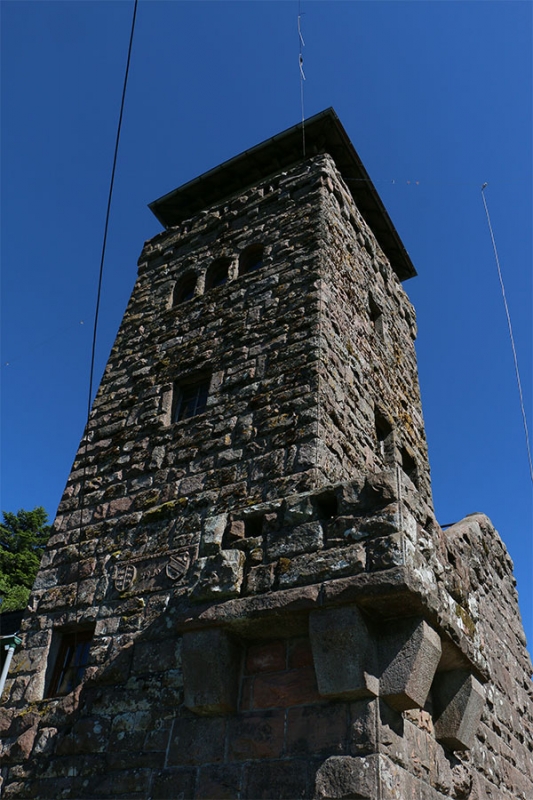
{"type": "Point", "coordinates": [409, 465]}
{"type": "Point", "coordinates": [376, 315]}
{"type": "Point", "coordinates": [383, 431]}
{"type": "Point", "coordinates": [71, 662]}
{"type": "Point", "coordinates": [217, 274]}
{"type": "Point", "coordinates": [251, 259]}
{"type": "Point", "coordinates": [191, 399]}
{"type": "Point", "coordinates": [184, 289]}
{"type": "Point", "coordinates": [253, 526]}
{"type": "Point", "coordinates": [326, 506]}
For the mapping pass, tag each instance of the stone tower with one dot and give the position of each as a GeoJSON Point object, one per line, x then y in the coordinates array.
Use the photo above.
{"type": "Point", "coordinates": [247, 594]}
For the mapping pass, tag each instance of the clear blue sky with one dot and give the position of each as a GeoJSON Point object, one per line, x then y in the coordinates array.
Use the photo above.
{"type": "Point", "coordinates": [437, 99]}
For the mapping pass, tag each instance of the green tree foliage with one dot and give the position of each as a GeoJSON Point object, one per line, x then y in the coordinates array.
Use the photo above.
{"type": "Point", "coordinates": [23, 537]}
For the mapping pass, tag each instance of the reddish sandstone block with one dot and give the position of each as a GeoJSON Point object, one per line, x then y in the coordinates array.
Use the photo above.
{"type": "Point", "coordinates": [256, 735]}
{"type": "Point", "coordinates": [300, 653]}
{"type": "Point", "coordinates": [222, 782]}
{"type": "Point", "coordinates": [318, 729]}
{"type": "Point", "coordinates": [210, 662]}
{"type": "Point", "coordinates": [197, 741]}
{"type": "Point", "coordinates": [282, 689]}
{"type": "Point", "coordinates": [266, 657]}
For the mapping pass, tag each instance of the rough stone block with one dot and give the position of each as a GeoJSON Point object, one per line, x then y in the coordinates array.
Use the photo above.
{"type": "Point", "coordinates": [266, 657]}
{"type": "Point", "coordinates": [236, 529]}
{"type": "Point", "coordinates": [220, 576]}
{"type": "Point", "coordinates": [305, 538]}
{"type": "Point", "coordinates": [213, 534]}
{"type": "Point", "coordinates": [196, 741]}
{"type": "Point", "coordinates": [284, 689]}
{"type": "Point", "coordinates": [343, 653]}
{"type": "Point", "coordinates": [260, 579]}
{"type": "Point", "coordinates": [256, 735]}
{"type": "Point", "coordinates": [324, 565]}
{"type": "Point", "coordinates": [458, 700]}
{"type": "Point", "coordinates": [210, 672]}
{"type": "Point", "coordinates": [316, 730]}
{"type": "Point", "coordinates": [409, 655]}
{"type": "Point", "coordinates": [365, 725]}
{"type": "Point", "coordinates": [347, 777]}
{"type": "Point", "coordinates": [385, 552]}
{"type": "Point", "coordinates": [284, 780]}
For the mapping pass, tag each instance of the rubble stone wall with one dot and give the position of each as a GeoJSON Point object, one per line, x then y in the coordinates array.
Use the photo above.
{"type": "Point", "coordinates": [275, 612]}
{"type": "Point", "coordinates": [368, 362]}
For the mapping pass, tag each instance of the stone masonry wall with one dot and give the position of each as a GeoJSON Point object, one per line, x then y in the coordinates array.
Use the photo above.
{"type": "Point", "coordinates": [160, 717]}
{"type": "Point", "coordinates": [274, 610]}
{"type": "Point", "coordinates": [368, 369]}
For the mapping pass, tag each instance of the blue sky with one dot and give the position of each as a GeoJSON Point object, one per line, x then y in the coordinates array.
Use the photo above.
{"type": "Point", "coordinates": [437, 99]}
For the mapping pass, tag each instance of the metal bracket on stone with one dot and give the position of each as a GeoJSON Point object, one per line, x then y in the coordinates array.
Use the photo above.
{"type": "Point", "coordinates": [343, 653]}
{"type": "Point", "coordinates": [210, 661]}
{"type": "Point", "coordinates": [458, 700]}
{"type": "Point", "coordinates": [409, 654]}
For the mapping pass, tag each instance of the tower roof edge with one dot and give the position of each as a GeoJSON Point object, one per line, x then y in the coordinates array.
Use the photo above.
{"type": "Point", "coordinates": [324, 133]}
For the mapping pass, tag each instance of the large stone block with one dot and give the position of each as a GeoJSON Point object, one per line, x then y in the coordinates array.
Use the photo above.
{"type": "Point", "coordinates": [458, 700]}
{"type": "Point", "coordinates": [219, 577]}
{"type": "Point", "coordinates": [343, 653]}
{"type": "Point", "coordinates": [347, 777]}
{"type": "Point", "coordinates": [213, 534]}
{"type": "Point", "coordinates": [409, 655]}
{"type": "Point", "coordinates": [210, 672]}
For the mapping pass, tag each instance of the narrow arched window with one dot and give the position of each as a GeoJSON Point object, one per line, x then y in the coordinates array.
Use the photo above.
{"type": "Point", "coordinates": [217, 273]}
{"type": "Point", "coordinates": [184, 289]}
{"type": "Point", "coordinates": [251, 259]}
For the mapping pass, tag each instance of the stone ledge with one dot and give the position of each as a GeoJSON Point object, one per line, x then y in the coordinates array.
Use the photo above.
{"type": "Point", "coordinates": [391, 594]}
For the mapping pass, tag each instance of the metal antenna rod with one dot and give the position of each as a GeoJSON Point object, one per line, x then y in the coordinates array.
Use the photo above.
{"type": "Point", "coordinates": [301, 45]}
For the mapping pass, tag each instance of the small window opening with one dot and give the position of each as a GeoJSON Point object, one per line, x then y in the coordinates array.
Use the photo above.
{"type": "Point", "coordinates": [184, 289]}
{"type": "Point", "coordinates": [191, 399]}
{"type": "Point", "coordinates": [251, 259]}
{"type": "Point", "coordinates": [217, 274]}
{"type": "Point", "coordinates": [376, 315]}
{"type": "Point", "coordinates": [383, 431]}
{"type": "Point", "coordinates": [71, 662]}
{"type": "Point", "coordinates": [253, 526]}
{"type": "Point", "coordinates": [326, 506]}
{"type": "Point", "coordinates": [409, 465]}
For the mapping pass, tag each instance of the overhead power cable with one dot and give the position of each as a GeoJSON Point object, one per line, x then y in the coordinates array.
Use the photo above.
{"type": "Point", "coordinates": [509, 325]}
{"type": "Point", "coordinates": [108, 211]}
{"type": "Point", "coordinates": [97, 309]}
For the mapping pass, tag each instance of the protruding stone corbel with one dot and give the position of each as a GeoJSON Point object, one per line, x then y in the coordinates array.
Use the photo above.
{"type": "Point", "coordinates": [343, 653]}
{"type": "Point", "coordinates": [458, 700]}
{"type": "Point", "coordinates": [409, 655]}
{"type": "Point", "coordinates": [210, 661]}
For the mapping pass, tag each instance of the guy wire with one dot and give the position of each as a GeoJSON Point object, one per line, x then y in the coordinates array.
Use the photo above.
{"type": "Point", "coordinates": [509, 325]}
{"type": "Point", "coordinates": [95, 329]}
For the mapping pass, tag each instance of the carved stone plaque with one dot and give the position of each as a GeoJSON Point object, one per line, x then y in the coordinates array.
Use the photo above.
{"type": "Point", "coordinates": [124, 577]}
{"type": "Point", "coordinates": [177, 565]}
